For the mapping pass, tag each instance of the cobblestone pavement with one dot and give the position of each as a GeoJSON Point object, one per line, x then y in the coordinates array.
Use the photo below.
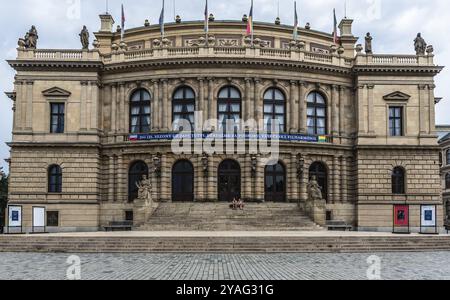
{"type": "Point", "coordinates": [27, 266]}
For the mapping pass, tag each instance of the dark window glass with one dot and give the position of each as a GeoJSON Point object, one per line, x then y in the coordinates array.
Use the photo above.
{"type": "Point", "coordinates": [55, 179]}
{"type": "Point", "coordinates": [135, 175]}
{"type": "Point", "coordinates": [183, 181]}
{"type": "Point", "coordinates": [316, 114]}
{"type": "Point", "coordinates": [274, 109]}
{"type": "Point", "coordinates": [129, 216]}
{"type": "Point", "coordinates": [447, 181]}
{"type": "Point", "coordinates": [396, 121]}
{"type": "Point", "coordinates": [183, 107]}
{"type": "Point", "coordinates": [398, 181]}
{"type": "Point", "coordinates": [140, 112]}
{"type": "Point", "coordinates": [319, 171]}
{"type": "Point", "coordinates": [229, 184]}
{"type": "Point", "coordinates": [229, 106]}
{"type": "Point", "coordinates": [52, 218]}
{"type": "Point", "coordinates": [448, 157]}
{"type": "Point", "coordinates": [57, 117]}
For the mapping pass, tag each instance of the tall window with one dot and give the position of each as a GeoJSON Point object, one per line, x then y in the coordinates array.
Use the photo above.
{"type": "Point", "coordinates": [140, 112]}
{"type": "Point", "coordinates": [398, 181]}
{"type": "Point", "coordinates": [319, 171]}
{"type": "Point", "coordinates": [183, 107]}
{"type": "Point", "coordinates": [447, 181]}
{"type": "Point", "coordinates": [55, 179]}
{"type": "Point", "coordinates": [317, 114]}
{"type": "Point", "coordinates": [396, 121]}
{"type": "Point", "coordinates": [57, 117]}
{"type": "Point", "coordinates": [135, 174]}
{"type": "Point", "coordinates": [229, 107]}
{"type": "Point", "coordinates": [448, 157]}
{"type": "Point", "coordinates": [274, 109]}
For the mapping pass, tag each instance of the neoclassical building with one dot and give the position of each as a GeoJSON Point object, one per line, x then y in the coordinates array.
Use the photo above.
{"type": "Point", "coordinates": [444, 141]}
{"type": "Point", "coordinates": [88, 124]}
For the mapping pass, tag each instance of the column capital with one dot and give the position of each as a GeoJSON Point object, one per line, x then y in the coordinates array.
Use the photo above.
{"type": "Point", "coordinates": [30, 82]}
{"type": "Point", "coordinates": [293, 82]}
{"type": "Point", "coordinates": [370, 86]}
{"type": "Point", "coordinates": [422, 87]}
{"type": "Point", "coordinates": [84, 82]}
{"type": "Point", "coordinates": [431, 86]}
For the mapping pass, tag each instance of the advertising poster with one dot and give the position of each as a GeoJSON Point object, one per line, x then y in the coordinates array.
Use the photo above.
{"type": "Point", "coordinates": [401, 216]}
{"type": "Point", "coordinates": [15, 216]}
{"type": "Point", "coordinates": [428, 218]}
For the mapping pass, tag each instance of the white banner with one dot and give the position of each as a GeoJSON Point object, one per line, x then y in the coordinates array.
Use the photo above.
{"type": "Point", "coordinates": [14, 216]}
{"type": "Point", "coordinates": [38, 217]}
{"type": "Point", "coordinates": [428, 216]}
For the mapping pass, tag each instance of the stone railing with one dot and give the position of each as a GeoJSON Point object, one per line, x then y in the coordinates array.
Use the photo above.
{"type": "Point", "coordinates": [58, 55]}
{"type": "Point", "coordinates": [394, 60]}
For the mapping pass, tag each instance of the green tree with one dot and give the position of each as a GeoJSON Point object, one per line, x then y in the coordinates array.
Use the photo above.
{"type": "Point", "coordinates": [3, 197]}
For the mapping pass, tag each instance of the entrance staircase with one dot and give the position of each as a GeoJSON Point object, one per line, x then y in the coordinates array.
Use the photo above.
{"type": "Point", "coordinates": [219, 217]}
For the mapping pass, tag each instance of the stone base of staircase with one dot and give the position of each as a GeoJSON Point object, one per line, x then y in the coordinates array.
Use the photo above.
{"type": "Point", "coordinates": [219, 217]}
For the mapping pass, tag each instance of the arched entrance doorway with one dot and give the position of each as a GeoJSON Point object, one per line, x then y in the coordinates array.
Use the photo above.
{"type": "Point", "coordinates": [275, 183]}
{"type": "Point", "coordinates": [229, 180]}
{"type": "Point", "coordinates": [183, 181]}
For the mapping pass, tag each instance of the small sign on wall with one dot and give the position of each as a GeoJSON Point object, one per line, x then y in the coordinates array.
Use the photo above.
{"type": "Point", "coordinates": [401, 219]}
{"type": "Point", "coordinates": [428, 220]}
{"type": "Point", "coordinates": [14, 219]}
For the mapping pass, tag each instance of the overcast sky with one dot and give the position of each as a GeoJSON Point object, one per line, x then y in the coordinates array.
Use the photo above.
{"type": "Point", "coordinates": [394, 25]}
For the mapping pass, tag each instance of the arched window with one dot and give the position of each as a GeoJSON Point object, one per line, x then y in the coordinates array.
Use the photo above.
{"type": "Point", "coordinates": [447, 181]}
{"type": "Point", "coordinates": [317, 114]}
{"type": "Point", "coordinates": [448, 157]}
{"type": "Point", "coordinates": [140, 112]}
{"type": "Point", "coordinates": [319, 171]}
{"type": "Point", "coordinates": [398, 181]}
{"type": "Point", "coordinates": [274, 109]}
{"type": "Point", "coordinates": [183, 181]}
{"type": "Point", "coordinates": [54, 179]}
{"type": "Point", "coordinates": [183, 107]}
{"type": "Point", "coordinates": [135, 174]}
{"type": "Point", "coordinates": [229, 106]}
{"type": "Point", "coordinates": [275, 183]}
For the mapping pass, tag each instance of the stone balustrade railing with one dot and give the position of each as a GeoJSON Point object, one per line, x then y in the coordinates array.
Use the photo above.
{"type": "Point", "coordinates": [121, 56]}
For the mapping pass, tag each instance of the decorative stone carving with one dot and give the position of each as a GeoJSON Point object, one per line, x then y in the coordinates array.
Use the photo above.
{"type": "Point", "coordinates": [31, 38]}
{"type": "Point", "coordinates": [315, 206]}
{"type": "Point", "coordinates": [227, 42]}
{"type": "Point", "coordinates": [114, 47]}
{"type": "Point", "coordinates": [211, 40]}
{"type": "Point", "coordinates": [245, 18]}
{"type": "Point", "coordinates": [341, 50]}
{"type": "Point", "coordinates": [145, 190]}
{"type": "Point", "coordinates": [96, 44]}
{"type": "Point", "coordinates": [211, 18]}
{"type": "Point", "coordinates": [368, 39]}
{"type": "Point", "coordinates": [430, 50]}
{"type": "Point", "coordinates": [359, 48]}
{"type": "Point", "coordinates": [157, 164]}
{"type": "Point", "coordinates": [147, 23]}
{"type": "Point", "coordinates": [84, 38]}
{"type": "Point", "coordinates": [254, 165]}
{"type": "Point", "coordinates": [178, 19]}
{"type": "Point", "coordinates": [308, 26]}
{"type": "Point", "coordinates": [205, 162]}
{"type": "Point", "coordinates": [420, 45]}
{"type": "Point", "coordinates": [156, 43]}
{"type": "Point", "coordinates": [143, 205]}
{"type": "Point", "coordinates": [278, 21]}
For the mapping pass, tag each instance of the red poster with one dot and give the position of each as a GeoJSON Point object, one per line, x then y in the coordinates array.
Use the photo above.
{"type": "Point", "coordinates": [401, 215]}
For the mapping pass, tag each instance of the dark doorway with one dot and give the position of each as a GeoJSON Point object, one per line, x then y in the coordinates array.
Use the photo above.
{"type": "Point", "coordinates": [229, 180]}
{"type": "Point", "coordinates": [183, 182]}
{"type": "Point", "coordinates": [275, 183]}
{"type": "Point", "coordinates": [319, 170]}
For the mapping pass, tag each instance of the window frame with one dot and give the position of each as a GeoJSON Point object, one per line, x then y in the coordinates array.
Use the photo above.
{"type": "Point", "coordinates": [57, 187]}
{"type": "Point", "coordinates": [273, 102]}
{"type": "Point", "coordinates": [228, 102]}
{"type": "Point", "coordinates": [447, 181]}
{"type": "Point", "coordinates": [398, 181]}
{"type": "Point", "coordinates": [47, 218]}
{"type": "Point", "coordinates": [316, 106]}
{"type": "Point", "coordinates": [61, 118]}
{"type": "Point", "coordinates": [184, 102]}
{"type": "Point", "coordinates": [141, 104]}
{"type": "Point", "coordinates": [392, 121]}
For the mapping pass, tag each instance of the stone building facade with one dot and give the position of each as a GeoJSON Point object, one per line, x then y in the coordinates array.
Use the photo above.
{"type": "Point", "coordinates": [89, 123]}
{"type": "Point", "coordinates": [444, 142]}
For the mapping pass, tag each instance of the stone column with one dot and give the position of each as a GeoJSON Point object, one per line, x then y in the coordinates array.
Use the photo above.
{"type": "Point", "coordinates": [248, 100]}
{"type": "Point", "coordinates": [211, 190]}
{"type": "Point", "coordinates": [212, 104]}
{"type": "Point", "coordinates": [120, 195]}
{"type": "Point", "coordinates": [361, 103]}
{"type": "Point", "coordinates": [335, 110]}
{"type": "Point", "coordinates": [258, 102]}
{"type": "Point", "coordinates": [292, 123]}
{"type": "Point", "coordinates": [166, 106]}
{"type": "Point", "coordinates": [121, 115]}
{"type": "Point", "coordinates": [94, 106]}
{"type": "Point", "coordinates": [343, 179]}
{"type": "Point", "coordinates": [112, 172]}
{"type": "Point", "coordinates": [304, 181]}
{"type": "Point", "coordinates": [260, 180]}
{"type": "Point", "coordinates": [18, 119]}
{"type": "Point", "coordinates": [29, 120]}
{"type": "Point", "coordinates": [432, 111]}
{"type": "Point", "coordinates": [113, 108]}
{"type": "Point", "coordinates": [246, 182]}
{"type": "Point", "coordinates": [293, 179]}
{"type": "Point", "coordinates": [302, 118]}
{"type": "Point", "coordinates": [370, 110]}
{"type": "Point", "coordinates": [342, 99]}
{"type": "Point", "coordinates": [24, 106]}
{"type": "Point", "coordinates": [335, 180]}
{"type": "Point", "coordinates": [201, 100]}
{"type": "Point", "coordinates": [166, 176]}
{"type": "Point", "coordinates": [83, 105]}
{"type": "Point", "coordinates": [422, 115]}
{"type": "Point", "coordinates": [156, 123]}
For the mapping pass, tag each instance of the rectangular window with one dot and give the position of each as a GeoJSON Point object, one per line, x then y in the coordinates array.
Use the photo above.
{"type": "Point", "coordinates": [396, 121]}
{"type": "Point", "coordinates": [57, 117]}
{"type": "Point", "coordinates": [52, 218]}
{"type": "Point", "coordinates": [129, 216]}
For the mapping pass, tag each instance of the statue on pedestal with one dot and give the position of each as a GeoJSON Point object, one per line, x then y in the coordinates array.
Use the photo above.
{"type": "Point", "coordinates": [369, 39]}
{"type": "Point", "coordinates": [420, 45]}
{"type": "Point", "coordinates": [314, 190]}
{"type": "Point", "coordinates": [145, 191]}
{"type": "Point", "coordinates": [84, 38]}
{"type": "Point", "coordinates": [31, 38]}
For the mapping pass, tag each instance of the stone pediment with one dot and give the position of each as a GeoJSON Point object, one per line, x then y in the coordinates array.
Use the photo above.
{"type": "Point", "coordinates": [397, 96]}
{"type": "Point", "coordinates": [56, 92]}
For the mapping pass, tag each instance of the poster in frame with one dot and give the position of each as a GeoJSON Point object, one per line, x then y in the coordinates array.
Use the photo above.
{"type": "Point", "coordinates": [14, 219]}
{"type": "Point", "coordinates": [401, 223]}
{"type": "Point", "coordinates": [428, 219]}
{"type": "Point", "coordinates": [38, 216]}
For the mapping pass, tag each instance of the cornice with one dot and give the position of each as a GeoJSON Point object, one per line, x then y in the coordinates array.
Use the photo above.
{"type": "Point", "coordinates": [397, 69]}
{"type": "Point", "coordinates": [25, 65]}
